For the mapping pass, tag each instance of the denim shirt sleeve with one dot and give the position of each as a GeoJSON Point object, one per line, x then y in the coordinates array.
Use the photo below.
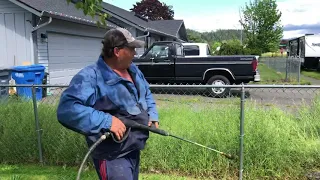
{"type": "Point", "coordinates": [152, 110]}
{"type": "Point", "coordinates": [75, 109]}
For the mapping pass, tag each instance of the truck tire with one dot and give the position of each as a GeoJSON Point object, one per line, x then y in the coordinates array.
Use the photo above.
{"type": "Point", "coordinates": [219, 80]}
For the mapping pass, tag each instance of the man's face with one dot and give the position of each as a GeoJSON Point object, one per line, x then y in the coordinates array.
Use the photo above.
{"type": "Point", "coordinates": [125, 56]}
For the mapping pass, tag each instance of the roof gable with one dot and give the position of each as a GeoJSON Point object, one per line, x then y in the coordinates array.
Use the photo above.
{"type": "Point", "coordinates": [61, 9]}
{"type": "Point", "coordinates": [168, 27]}
{"type": "Point", "coordinates": [127, 15]}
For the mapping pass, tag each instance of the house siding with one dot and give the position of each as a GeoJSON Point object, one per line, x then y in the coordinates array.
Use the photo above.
{"type": "Point", "coordinates": [130, 28]}
{"type": "Point", "coordinates": [153, 38]}
{"type": "Point", "coordinates": [60, 26]}
{"type": "Point", "coordinates": [8, 7]}
{"type": "Point", "coordinates": [140, 51]}
{"type": "Point", "coordinates": [139, 32]}
{"type": "Point", "coordinates": [15, 35]}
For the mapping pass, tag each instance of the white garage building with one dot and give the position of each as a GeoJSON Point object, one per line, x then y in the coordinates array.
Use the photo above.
{"type": "Point", "coordinates": [61, 38]}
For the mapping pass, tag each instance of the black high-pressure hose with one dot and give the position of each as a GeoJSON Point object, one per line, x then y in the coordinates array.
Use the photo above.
{"type": "Point", "coordinates": [102, 138]}
{"type": "Point", "coordinates": [135, 125]}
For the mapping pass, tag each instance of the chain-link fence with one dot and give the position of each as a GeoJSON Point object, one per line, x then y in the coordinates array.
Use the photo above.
{"type": "Point", "coordinates": [273, 130]}
{"type": "Point", "coordinates": [289, 66]}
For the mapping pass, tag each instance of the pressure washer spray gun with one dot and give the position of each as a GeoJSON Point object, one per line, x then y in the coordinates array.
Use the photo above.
{"type": "Point", "coordinates": [135, 125]}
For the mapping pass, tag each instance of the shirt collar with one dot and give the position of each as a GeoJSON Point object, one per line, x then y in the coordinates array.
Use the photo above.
{"type": "Point", "coordinates": [109, 75]}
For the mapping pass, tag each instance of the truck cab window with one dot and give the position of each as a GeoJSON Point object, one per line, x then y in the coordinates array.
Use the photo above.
{"type": "Point", "coordinates": [191, 50]}
{"type": "Point", "coordinates": [179, 50]}
{"type": "Point", "coordinates": [158, 51]}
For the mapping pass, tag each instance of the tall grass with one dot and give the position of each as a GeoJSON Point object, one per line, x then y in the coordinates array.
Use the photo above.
{"type": "Point", "coordinates": [271, 76]}
{"type": "Point", "coordinates": [311, 73]}
{"type": "Point", "coordinates": [277, 145]}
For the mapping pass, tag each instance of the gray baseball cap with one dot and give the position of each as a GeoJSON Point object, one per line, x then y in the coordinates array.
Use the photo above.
{"type": "Point", "coordinates": [118, 37]}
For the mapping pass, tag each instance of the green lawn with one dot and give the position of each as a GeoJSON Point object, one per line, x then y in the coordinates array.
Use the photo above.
{"type": "Point", "coordinates": [312, 74]}
{"type": "Point", "coordinates": [34, 172]}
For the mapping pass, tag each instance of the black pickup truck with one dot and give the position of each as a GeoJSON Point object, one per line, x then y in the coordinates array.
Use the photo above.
{"type": "Point", "coordinates": [165, 63]}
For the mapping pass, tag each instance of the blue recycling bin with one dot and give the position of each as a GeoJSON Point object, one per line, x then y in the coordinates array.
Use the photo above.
{"type": "Point", "coordinates": [32, 74]}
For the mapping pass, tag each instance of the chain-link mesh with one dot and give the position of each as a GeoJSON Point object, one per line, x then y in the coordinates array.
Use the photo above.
{"type": "Point", "coordinates": [288, 66]}
{"type": "Point", "coordinates": [280, 123]}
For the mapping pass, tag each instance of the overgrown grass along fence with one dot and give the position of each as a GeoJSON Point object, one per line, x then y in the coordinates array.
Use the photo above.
{"type": "Point", "coordinates": [287, 68]}
{"type": "Point", "coordinates": [277, 144]}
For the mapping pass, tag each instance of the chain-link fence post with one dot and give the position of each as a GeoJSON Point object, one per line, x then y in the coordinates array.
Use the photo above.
{"type": "Point", "coordinates": [38, 130]}
{"type": "Point", "coordinates": [299, 70]}
{"type": "Point", "coordinates": [241, 131]}
{"type": "Point", "coordinates": [290, 71]}
{"type": "Point", "coordinates": [287, 61]}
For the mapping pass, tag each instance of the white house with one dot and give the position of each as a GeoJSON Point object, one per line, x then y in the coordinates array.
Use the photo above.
{"type": "Point", "coordinates": [60, 37]}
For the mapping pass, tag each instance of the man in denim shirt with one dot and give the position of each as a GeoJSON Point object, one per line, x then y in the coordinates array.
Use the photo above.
{"type": "Point", "coordinates": [104, 95]}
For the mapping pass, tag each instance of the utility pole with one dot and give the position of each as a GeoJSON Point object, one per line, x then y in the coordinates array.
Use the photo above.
{"type": "Point", "coordinates": [241, 28]}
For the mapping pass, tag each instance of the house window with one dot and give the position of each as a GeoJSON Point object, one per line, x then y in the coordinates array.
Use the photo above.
{"type": "Point", "coordinates": [191, 50]}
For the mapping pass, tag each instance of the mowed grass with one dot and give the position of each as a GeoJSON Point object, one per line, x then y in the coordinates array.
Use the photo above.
{"type": "Point", "coordinates": [33, 172]}
{"type": "Point", "coordinates": [276, 145]}
{"type": "Point", "coordinates": [312, 74]}
{"type": "Point", "coordinates": [271, 76]}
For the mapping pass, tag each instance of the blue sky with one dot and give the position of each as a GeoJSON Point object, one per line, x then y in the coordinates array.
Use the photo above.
{"type": "Point", "coordinates": [298, 16]}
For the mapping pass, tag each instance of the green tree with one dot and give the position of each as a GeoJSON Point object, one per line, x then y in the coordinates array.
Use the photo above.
{"type": "Point", "coordinates": [91, 8]}
{"type": "Point", "coordinates": [261, 25]}
{"type": "Point", "coordinates": [153, 10]}
{"type": "Point", "coordinates": [231, 47]}
{"type": "Point", "coordinates": [214, 45]}
{"type": "Point", "coordinates": [194, 36]}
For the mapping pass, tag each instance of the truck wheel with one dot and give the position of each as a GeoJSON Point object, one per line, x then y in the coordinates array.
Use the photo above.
{"type": "Point", "coordinates": [219, 80]}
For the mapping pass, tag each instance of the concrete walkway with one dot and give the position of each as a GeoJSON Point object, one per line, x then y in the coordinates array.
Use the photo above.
{"type": "Point", "coordinates": [312, 80]}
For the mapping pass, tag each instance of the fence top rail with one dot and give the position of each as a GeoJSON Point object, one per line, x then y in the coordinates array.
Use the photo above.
{"type": "Point", "coordinates": [236, 86]}
{"type": "Point", "coordinates": [182, 86]}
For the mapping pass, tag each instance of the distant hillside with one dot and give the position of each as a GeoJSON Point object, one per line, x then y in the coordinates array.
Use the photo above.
{"type": "Point", "coordinates": [213, 36]}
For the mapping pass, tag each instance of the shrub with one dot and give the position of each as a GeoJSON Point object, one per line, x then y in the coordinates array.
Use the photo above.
{"type": "Point", "coordinates": [234, 47]}
{"type": "Point", "coordinates": [231, 47]}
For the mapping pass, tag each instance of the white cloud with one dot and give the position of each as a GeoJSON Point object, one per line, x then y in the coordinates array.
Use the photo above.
{"type": "Point", "coordinates": [298, 12]}
{"type": "Point", "coordinates": [294, 12]}
{"type": "Point", "coordinates": [211, 21]}
{"type": "Point", "coordinates": [291, 34]}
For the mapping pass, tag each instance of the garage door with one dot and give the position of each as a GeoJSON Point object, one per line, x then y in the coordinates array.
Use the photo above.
{"type": "Point", "coordinates": [68, 54]}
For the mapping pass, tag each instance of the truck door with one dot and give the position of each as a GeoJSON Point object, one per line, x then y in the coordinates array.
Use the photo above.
{"type": "Point", "coordinates": [158, 66]}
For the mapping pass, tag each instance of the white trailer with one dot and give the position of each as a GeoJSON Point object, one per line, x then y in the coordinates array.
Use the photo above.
{"type": "Point", "coordinates": [306, 47]}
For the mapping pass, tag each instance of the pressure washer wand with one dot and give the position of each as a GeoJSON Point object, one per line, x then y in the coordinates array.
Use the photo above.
{"type": "Point", "coordinates": [133, 124]}
{"type": "Point", "coordinates": [229, 156]}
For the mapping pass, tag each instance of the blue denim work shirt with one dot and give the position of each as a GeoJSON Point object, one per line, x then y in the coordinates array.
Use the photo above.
{"type": "Point", "coordinates": [97, 82]}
